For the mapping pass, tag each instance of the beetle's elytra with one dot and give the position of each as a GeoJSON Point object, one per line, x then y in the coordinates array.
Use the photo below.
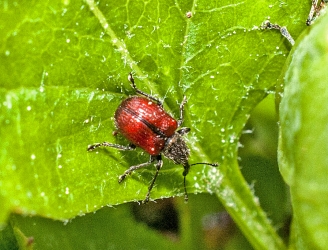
{"type": "Point", "coordinates": [145, 124]}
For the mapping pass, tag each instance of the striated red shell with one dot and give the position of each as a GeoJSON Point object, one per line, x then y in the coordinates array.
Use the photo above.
{"type": "Point", "coordinates": [145, 124]}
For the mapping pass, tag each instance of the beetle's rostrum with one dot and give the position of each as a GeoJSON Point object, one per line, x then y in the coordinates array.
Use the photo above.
{"type": "Point", "coordinates": [145, 124]}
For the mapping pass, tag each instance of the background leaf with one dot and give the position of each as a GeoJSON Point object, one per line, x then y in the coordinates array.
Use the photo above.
{"type": "Point", "coordinates": [64, 67]}
{"type": "Point", "coordinates": [303, 147]}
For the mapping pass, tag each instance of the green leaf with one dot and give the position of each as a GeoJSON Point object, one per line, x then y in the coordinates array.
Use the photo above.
{"type": "Point", "coordinates": [108, 228]}
{"type": "Point", "coordinates": [304, 135]}
{"type": "Point", "coordinates": [64, 67]}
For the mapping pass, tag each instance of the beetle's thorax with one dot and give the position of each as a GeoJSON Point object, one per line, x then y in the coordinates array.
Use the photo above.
{"type": "Point", "coordinates": [176, 149]}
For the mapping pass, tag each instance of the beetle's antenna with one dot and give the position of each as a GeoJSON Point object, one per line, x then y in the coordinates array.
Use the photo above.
{"type": "Point", "coordinates": [186, 171]}
{"type": "Point", "coordinates": [185, 189]}
{"type": "Point", "coordinates": [205, 163]}
{"type": "Point", "coordinates": [186, 167]}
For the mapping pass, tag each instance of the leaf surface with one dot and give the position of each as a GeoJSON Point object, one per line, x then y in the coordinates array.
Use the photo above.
{"type": "Point", "coordinates": [64, 68]}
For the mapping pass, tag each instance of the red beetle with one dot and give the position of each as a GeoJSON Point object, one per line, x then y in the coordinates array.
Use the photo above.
{"type": "Point", "coordinates": [143, 121]}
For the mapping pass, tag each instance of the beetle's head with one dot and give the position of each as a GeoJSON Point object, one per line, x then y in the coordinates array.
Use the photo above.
{"type": "Point", "coordinates": [176, 149]}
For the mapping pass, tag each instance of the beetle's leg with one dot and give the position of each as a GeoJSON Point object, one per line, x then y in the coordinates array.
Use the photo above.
{"type": "Point", "coordinates": [132, 168]}
{"type": "Point", "coordinates": [131, 79]}
{"type": "Point", "coordinates": [317, 6]}
{"type": "Point", "coordinates": [312, 12]}
{"type": "Point", "coordinates": [183, 131]}
{"type": "Point", "coordinates": [107, 144]}
{"type": "Point", "coordinates": [158, 166]}
{"type": "Point", "coordinates": [184, 101]}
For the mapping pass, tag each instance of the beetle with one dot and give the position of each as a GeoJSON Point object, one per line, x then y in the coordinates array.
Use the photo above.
{"type": "Point", "coordinates": [142, 120]}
